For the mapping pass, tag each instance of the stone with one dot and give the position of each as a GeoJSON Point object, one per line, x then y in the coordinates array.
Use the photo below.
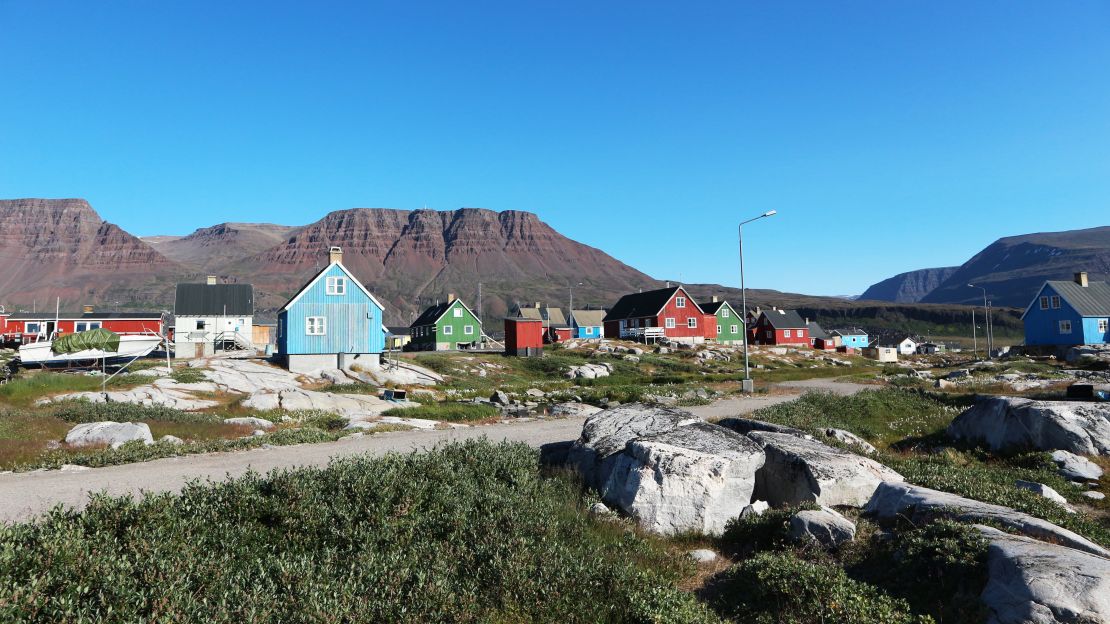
{"type": "Point", "coordinates": [958, 374]}
{"type": "Point", "coordinates": [258, 432]}
{"type": "Point", "coordinates": [702, 555]}
{"type": "Point", "coordinates": [500, 398]}
{"type": "Point", "coordinates": [249, 421]}
{"type": "Point", "coordinates": [800, 470]}
{"type": "Point", "coordinates": [535, 393]}
{"type": "Point", "coordinates": [943, 383]}
{"type": "Point", "coordinates": [1013, 424]}
{"type": "Point", "coordinates": [694, 478]}
{"type": "Point", "coordinates": [1094, 495]}
{"type": "Point", "coordinates": [918, 504]}
{"type": "Point", "coordinates": [1076, 468]}
{"type": "Point", "coordinates": [747, 425]}
{"type": "Point", "coordinates": [606, 433]}
{"type": "Point", "coordinates": [113, 434]}
{"type": "Point", "coordinates": [1033, 581]}
{"type": "Point", "coordinates": [599, 510]}
{"type": "Point", "coordinates": [589, 371]}
{"type": "Point", "coordinates": [851, 439]}
{"type": "Point", "coordinates": [756, 508]}
{"type": "Point", "coordinates": [335, 376]}
{"type": "Point", "coordinates": [574, 410]}
{"type": "Point", "coordinates": [170, 439]}
{"type": "Point", "coordinates": [824, 526]}
{"type": "Point", "coordinates": [1042, 490]}
{"type": "Point", "coordinates": [73, 468]}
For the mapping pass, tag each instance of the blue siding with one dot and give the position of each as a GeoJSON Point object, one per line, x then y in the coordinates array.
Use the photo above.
{"type": "Point", "coordinates": [583, 331]}
{"type": "Point", "coordinates": [1042, 327]}
{"type": "Point", "coordinates": [354, 321]}
{"type": "Point", "coordinates": [858, 341]}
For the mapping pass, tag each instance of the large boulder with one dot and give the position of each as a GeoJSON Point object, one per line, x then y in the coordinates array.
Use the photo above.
{"type": "Point", "coordinates": [1031, 581]}
{"type": "Point", "coordinates": [824, 526]}
{"type": "Point", "coordinates": [1076, 468]}
{"type": "Point", "coordinates": [606, 433]}
{"type": "Point", "coordinates": [1010, 423]}
{"type": "Point", "coordinates": [574, 410]}
{"type": "Point", "coordinates": [249, 421]}
{"type": "Point", "coordinates": [113, 434]}
{"type": "Point", "coordinates": [748, 425]}
{"type": "Point", "coordinates": [902, 500]}
{"type": "Point", "coordinates": [800, 470]}
{"type": "Point", "coordinates": [695, 477]}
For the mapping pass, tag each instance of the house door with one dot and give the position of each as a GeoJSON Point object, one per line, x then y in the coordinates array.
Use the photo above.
{"type": "Point", "coordinates": [50, 327]}
{"type": "Point", "coordinates": [198, 350]}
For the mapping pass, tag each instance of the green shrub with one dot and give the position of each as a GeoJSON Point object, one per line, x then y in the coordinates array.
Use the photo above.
{"type": "Point", "coordinates": [323, 420]}
{"type": "Point", "coordinates": [447, 412]}
{"type": "Point", "coordinates": [756, 533]}
{"type": "Point", "coordinates": [780, 588]}
{"type": "Point", "coordinates": [188, 374]}
{"type": "Point", "coordinates": [465, 533]}
{"type": "Point", "coordinates": [77, 411]}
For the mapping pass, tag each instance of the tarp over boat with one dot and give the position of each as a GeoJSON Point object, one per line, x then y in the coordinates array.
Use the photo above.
{"type": "Point", "coordinates": [100, 338]}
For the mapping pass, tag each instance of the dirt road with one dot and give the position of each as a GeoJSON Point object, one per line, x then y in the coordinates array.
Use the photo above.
{"type": "Point", "coordinates": [26, 495]}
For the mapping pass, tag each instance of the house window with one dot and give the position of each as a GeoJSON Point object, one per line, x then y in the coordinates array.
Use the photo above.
{"type": "Point", "coordinates": [448, 330]}
{"type": "Point", "coordinates": [1055, 302]}
{"type": "Point", "coordinates": [786, 333]}
{"type": "Point", "coordinates": [457, 312]}
{"type": "Point", "coordinates": [692, 322]}
{"type": "Point", "coordinates": [732, 328]}
{"type": "Point", "coordinates": [86, 326]}
{"type": "Point", "coordinates": [680, 302]}
{"type": "Point", "coordinates": [1102, 325]}
{"type": "Point", "coordinates": [1044, 303]}
{"type": "Point", "coordinates": [1065, 327]}
{"type": "Point", "coordinates": [32, 328]}
{"type": "Point", "coordinates": [718, 329]}
{"type": "Point", "coordinates": [337, 285]}
{"type": "Point", "coordinates": [669, 322]}
{"type": "Point", "coordinates": [315, 326]}
{"type": "Point", "coordinates": [770, 334]}
{"type": "Point", "coordinates": [724, 312]}
{"type": "Point", "coordinates": [468, 330]}
{"type": "Point", "coordinates": [201, 325]}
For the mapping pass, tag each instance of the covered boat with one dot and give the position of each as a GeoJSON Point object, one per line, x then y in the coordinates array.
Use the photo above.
{"type": "Point", "coordinates": [87, 348]}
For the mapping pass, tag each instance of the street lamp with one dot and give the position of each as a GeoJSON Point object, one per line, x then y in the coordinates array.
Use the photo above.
{"type": "Point", "coordinates": [987, 317]}
{"type": "Point", "coordinates": [747, 385]}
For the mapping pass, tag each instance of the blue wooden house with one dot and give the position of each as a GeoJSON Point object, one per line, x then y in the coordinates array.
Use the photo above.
{"type": "Point", "coordinates": [587, 323]}
{"type": "Point", "coordinates": [1069, 313]}
{"type": "Point", "coordinates": [332, 322]}
{"type": "Point", "coordinates": [852, 337]}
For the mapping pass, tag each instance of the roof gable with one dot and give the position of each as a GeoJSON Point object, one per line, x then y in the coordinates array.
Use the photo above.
{"type": "Point", "coordinates": [1094, 300]}
{"type": "Point", "coordinates": [432, 315]}
{"type": "Point", "coordinates": [647, 304]}
{"type": "Point", "coordinates": [312, 283]}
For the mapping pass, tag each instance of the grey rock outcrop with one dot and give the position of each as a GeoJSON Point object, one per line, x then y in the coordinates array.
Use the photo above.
{"type": "Point", "coordinates": [799, 470]}
{"type": "Point", "coordinates": [606, 433]}
{"type": "Point", "coordinates": [249, 421]}
{"type": "Point", "coordinates": [824, 526]}
{"type": "Point", "coordinates": [1042, 490]}
{"type": "Point", "coordinates": [747, 425]}
{"type": "Point", "coordinates": [1009, 423]}
{"type": "Point", "coordinates": [851, 439]}
{"type": "Point", "coordinates": [894, 500]}
{"type": "Point", "coordinates": [574, 410]}
{"type": "Point", "coordinates": [113, 434]}
{"type": "Point", "coordinates": [1031, 581]}
{"type": "Point", "coordinates": [1076, 468]}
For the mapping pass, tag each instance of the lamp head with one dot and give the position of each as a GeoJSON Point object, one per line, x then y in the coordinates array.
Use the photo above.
{"type": "Point", "coordinates": [770, 213]}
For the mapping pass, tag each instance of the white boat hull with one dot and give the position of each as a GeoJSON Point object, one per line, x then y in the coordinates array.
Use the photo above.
{"type": "Point", "coordinates": [39, 353]}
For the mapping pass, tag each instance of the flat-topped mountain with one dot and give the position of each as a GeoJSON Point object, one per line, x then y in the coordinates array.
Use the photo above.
{"type": "Point", "coordinates": [213, 248]}
{"type": "Point", "coordinates": [908, 287]}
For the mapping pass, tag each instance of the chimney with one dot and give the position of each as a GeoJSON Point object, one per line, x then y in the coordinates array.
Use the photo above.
{"type": "Point", "coordinates": [87, 309]}
{"type": "Point", "coordinates": [451, 297]}
{"type": "Point", "coordinates": [537, 306]}
{"type": "Point", "coordinates": [211, 280]}
{"type": "Point", "coordinates": [335, 255]}
{"type": "Point", "coordinates": [1081, 278]}
{"type": "Point", "coordinates": [715, 299]}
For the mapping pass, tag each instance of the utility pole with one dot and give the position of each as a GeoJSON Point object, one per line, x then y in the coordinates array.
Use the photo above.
{"type": "Point", "coordinates": [747, 384]}
{"type": "Point", "coordinates": [990, 330]}
{"type": "Point", "coordinates": [974, 336]}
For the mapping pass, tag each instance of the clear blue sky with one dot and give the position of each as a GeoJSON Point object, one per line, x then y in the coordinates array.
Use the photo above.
{"type": "Point", "coordinates": [889, 135]}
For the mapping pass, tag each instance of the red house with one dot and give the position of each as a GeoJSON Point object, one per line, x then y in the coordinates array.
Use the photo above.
{"type": "Point", "coordinates": [24, 327]}
{"type": "Point", "coordinates": [780, 327]}
{"type": "Point", "coordinates": [523, 337]}
{"type": "Point", "coordinates": [669, 313]}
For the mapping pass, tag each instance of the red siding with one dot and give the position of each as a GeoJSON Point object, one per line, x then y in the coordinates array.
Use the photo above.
{"type": "Point", "coordinates": [523, 334]}
{"type": "Point", "coordinates": [681, 318]}
{"type": "Point", "coordinates": [68, 326]}
{"type": "Point", "coordinates": [766, 335]}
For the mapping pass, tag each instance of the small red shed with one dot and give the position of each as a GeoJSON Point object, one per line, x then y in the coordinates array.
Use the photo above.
{"type": "Point", "coordinates": [524, 337]}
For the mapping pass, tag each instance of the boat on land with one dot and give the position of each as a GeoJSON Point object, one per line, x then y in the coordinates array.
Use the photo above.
{"type": "Point", "coordinates": [88, 348]}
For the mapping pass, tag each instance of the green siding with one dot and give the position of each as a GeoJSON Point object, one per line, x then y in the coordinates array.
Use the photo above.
{"type": "Point", "coordinates": [726, 334]}
{"type": "Point", "coordinates": [436, 334]}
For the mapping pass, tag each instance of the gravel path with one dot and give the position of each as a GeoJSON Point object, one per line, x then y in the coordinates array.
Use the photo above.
{"type": "Point", "coordinates": [26, 495]}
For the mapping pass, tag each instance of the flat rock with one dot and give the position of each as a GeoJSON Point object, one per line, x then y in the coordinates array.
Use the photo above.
{"type": "Point", "coordinates": [1076, 468]}
{"type": "Point", "coordinates": [170, 439]}
{"type": "Point", "coordinates": [747, 425]}
{"type": "Point", "coordinates": [1032, 581]}
{"type": "Point", "coordinates": [574, 410]}
{"type": "Point", "coordinates": [249, 421]}
{"type": "Point", "coordinates": [1042, 490]}
{"type": "Point", "coordinates": [702, 555]}
{"type": "Point", "coordinates": [1094, 495]}
{"type": "Point", "coordinates": [606, 433]}
{"type": "Point", "coordinates": [756, 508]}
{"type": "Point", "coordinates": [1014, 424]}
{"type": "Point", "coordinates": [824, 526]}
{"type": "Point", "coordinates": [113, 434]}
{"type": "Point", "coordinates": [918, 504]}
{"type": "Point", "coordinates": [851, 439]}
{"type": "Point", "coordinates": [695, 477]}
{"type": "Point", "coordinates": [800, 470]}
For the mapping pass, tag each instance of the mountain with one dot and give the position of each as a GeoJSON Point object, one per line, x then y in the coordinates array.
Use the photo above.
{"type": "Point", "coordinates": [909, 287]}
{"type": "Point", "coordinates": [62, 248]}
{"type": "Point", "coordinates": [213, 248]}
{"type": "Point", "coordinates": [1013, 268]}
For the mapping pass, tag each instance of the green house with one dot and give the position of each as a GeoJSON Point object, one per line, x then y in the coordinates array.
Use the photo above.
{"type": "Point", "coordinates": [730, 326]}
{"type": "Point", "coordinates": [445, 327]}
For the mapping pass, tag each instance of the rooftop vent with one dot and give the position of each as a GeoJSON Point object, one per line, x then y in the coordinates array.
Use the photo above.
{"type": "Point", "coordinates": [1081, 278]}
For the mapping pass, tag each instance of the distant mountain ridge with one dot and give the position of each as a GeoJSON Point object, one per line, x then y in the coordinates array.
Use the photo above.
{"type": "Point", "coordinates": [1014, 267]}
{"type": "Point", "coordinates": [908, 287]}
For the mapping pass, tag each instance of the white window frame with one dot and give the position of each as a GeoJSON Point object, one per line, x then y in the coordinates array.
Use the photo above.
{"type": "Point", "coordinates": [1044, 302]}
{"type": "Point", "coordinates": [680, 302]}
{"type": "Point", "coordinates": [448, 330]}
{"type": "Point", "coordinates": [668, 322]}
{"type": "Point", "coordinates": [724, 312]}
{"type": "Point", "coordinates": [1064, 326]}
{"type": "Point", "coordinates": [719, 331]}
{"type": "Point", "coordinates": [734, 328]}
{"type": "Point", "coordinates": [691, 322]}
{"type": "Point", "coordinates": [202, 325]}
{"type": "Point", "coordinates": [468, 330]}
{"type": "Point", "coordinates": [32, 328]}
{"type": "Point", "coordinates": [1103, 325]}
{"type": "Point", "coordinates": [1055, 302]}
{"type": "Point", "coordinates": [786, 333]}
{"type": "Point", "coordinates": [316, 326]}
{"type": "Point", "coordinates": [335, 285]}
{"type": "Point", "coordinates": [457, 312]}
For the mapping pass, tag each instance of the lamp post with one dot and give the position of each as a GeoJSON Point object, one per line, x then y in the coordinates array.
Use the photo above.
{"type": "Point", "coordinates": [747, 385]}
{"type": "Point", "coordinates": [987, 319]}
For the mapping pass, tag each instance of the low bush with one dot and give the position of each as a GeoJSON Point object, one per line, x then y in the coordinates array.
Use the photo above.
{"type": "Point", "coordinates": [188, 374]}
{"type": "Point", "coordinates": [77, 411]}
{"type": "Point", "coordinates": [782, 588]}
{"type": "Point", "coordinates": [466, 533]}
{"type": "Point", "coordinates": [447, 412]}
{"type": "Point", "coordinates": [756, 533]}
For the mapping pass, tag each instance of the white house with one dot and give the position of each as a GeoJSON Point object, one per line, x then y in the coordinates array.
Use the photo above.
{"type": "Point", "coordinates": [907, 346]}
{"type": "Point", "coordinates": [213, 317]}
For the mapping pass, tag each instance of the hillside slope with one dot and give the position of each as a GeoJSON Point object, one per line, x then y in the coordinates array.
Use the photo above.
{"type": "Point", "coordinates": [214, 248]}
{"type": "Point", "coordinates": [909, 287]}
